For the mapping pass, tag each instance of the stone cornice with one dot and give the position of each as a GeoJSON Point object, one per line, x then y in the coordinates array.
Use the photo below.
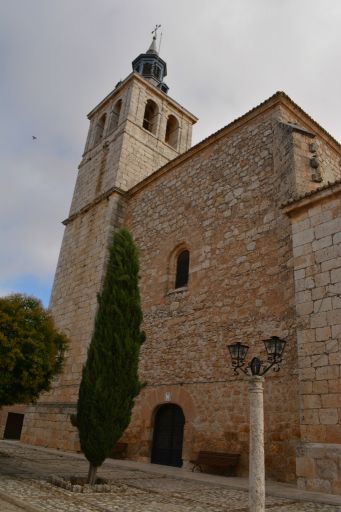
{"type": "Point", "coordinates": [309, 199]}
{"type": "Point", "coordinates": [151, 87]}
{"type": "Point", "coordinates": [298, 129]}
{"type": "Point", "coordinates": [53, 404]}
{"type": "Point", "coordinates": [309, 122]}
{"type": "Point", "coordinates": [97, 200]}
{"type": "Point", "coordinates": [278, 99]}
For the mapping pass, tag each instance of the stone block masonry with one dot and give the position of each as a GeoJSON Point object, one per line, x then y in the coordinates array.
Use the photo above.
{"type": "Point", "coordinates": [255, 270]}
{"type": "Point", "coordinates": [223, 205]}
{"type": "Point", "coordinates": [110, 165]}
{"type": "Point", "coordinates": [316, 224]}
{"type": "Point", "coordinates": [73, 302]}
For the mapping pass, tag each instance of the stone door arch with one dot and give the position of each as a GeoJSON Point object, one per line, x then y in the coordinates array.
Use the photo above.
{"type": "Point", "coordinates": [168, 435]}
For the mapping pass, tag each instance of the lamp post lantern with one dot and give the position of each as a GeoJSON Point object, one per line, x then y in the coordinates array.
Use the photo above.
{"type": "Point", "coordinates": [255, 369]}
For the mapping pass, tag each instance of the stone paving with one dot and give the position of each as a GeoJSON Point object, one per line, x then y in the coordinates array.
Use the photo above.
{"type": "Point", "coordinates": [23, 487]}
{"type": "Point", "coordinates": [9, 507]}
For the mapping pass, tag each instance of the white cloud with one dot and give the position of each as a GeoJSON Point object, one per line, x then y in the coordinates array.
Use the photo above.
{"type": "Point", "coordinates": [58, 59]}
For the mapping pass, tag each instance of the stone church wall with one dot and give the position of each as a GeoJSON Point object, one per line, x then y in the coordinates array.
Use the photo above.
{"type": "Point", "coordinates": [223, 204]}
{"type": "Point", "coordinates": [316, 224]}
{"type": "Point", "coordinates": [112, 163]}
{"type": "Point", "coordinates": [97, 168]}
{"type": "Point", "coordinates": [251, 264]}
{"type": "Point", "coordinates": [126, 155]}
{"type": "Point", "coordinates": [78, 279]}
{"type": "Point", "coordinates": [304, 154]}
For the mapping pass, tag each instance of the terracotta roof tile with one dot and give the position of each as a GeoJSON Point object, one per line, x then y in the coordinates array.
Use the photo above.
{"type": "Point", "coordinates": [310, 193]}
{"type": "Point", "coordinates": [278, 95]}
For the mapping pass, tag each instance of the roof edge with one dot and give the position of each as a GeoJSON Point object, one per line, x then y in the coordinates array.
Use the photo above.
{"type": "Point", "coordinates": [88, 206]}
{"type": "Point", "coordinates": [145, 82]}
{"type": "Point", "coordinates": [288, 102]}
{"type": "Point", "coordinates": [320, 193]}
{"type": "Point", "coordinates": [280, 97]}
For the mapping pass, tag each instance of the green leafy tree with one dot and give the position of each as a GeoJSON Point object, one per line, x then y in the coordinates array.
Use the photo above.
{"type": "Point", "coordinates": [31, 349]}
{"type": "Point", "coordinates": [110, 376]}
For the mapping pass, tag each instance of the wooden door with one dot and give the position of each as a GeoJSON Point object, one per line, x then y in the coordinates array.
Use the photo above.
{"type": "Point", "coordinates": [168, 436]}
{"type": "Point", "coordinates": [13, 425]}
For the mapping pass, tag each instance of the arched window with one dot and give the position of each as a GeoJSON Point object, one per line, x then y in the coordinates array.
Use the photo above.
{"type": "Point", "coordinates": [157, 71]}
{"type": "Point", "coordinates": [100, 129]}
{"type": "Point", "coordinates": [182, 269]}
{"type": "Point", "coordinates": [115, 116]}
{"type": "Point", "coordinates": [172, 131]}
{"type": "Point", "coordinates": [147, 68]}
{"type": "Point", "coordinates": [150, 116]}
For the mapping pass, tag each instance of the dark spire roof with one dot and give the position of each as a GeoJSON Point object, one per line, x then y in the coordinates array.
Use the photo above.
{"type": "Point", "coordinates": [151, 66]}
{"type": "Point", "coordinates": [152, 47]}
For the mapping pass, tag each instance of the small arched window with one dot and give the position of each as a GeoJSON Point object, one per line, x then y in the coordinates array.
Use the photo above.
{"type": "Point", "coordinates": [150, 116]}
{"type": "Point", "coordinates": [182, 269]}
{"type": "Point", "coordinates": [115, 116]}
{"type": "Point", "coordinates": [100, 129]}
{"type": "Point", "coordinates": [157, 71]}
{"type": "Point", "coordinates": [172, 131]}
{"type": "Point", "coordinates": [147, 69]}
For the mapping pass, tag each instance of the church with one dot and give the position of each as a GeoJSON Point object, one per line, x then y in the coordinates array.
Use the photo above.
{"type": "Point", "coordinates": [239, 239]}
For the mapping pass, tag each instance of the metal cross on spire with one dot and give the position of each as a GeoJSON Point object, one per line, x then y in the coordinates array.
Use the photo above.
{"type": "Point", "coordinates": [153, 48]}
{"type": "Point", "coordinates": [154, 32]}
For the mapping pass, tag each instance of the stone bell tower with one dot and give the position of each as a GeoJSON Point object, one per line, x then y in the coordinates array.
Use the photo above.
{"type": "Point", "coordinates": [134, 130]}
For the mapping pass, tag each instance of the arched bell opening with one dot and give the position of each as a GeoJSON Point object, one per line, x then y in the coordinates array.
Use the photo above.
{"type": "Point", "coordinates": [150, 116]}
{"type": "Point", "coordinates": [172, 131]}
{"type": "Point", "coordinates": [100, 129]}
{"type": "Point", "coordinates": [115, 116]}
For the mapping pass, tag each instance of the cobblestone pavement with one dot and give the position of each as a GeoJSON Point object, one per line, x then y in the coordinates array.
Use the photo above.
{"type": "Point", "coordinates": [9, 507]}
{"type": "Point", "coordinates": [23, 480]}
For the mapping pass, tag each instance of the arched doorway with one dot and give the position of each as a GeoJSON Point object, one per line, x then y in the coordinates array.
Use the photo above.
{"type": "Point", "coordinates": [168, 436]}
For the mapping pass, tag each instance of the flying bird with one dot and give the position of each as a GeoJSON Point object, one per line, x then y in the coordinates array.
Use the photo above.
{"type": "Point", "coordinates": [34, 137]}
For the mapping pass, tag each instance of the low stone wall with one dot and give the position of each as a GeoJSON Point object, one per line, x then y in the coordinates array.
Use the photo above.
{"type": "Point", "coordinates": [48, 424]}
{"type": "Point", "coordinates": [318, 467]}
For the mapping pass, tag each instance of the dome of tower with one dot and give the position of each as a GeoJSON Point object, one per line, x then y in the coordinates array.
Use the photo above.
{"type": "Point", "coordinates": [151, 66]}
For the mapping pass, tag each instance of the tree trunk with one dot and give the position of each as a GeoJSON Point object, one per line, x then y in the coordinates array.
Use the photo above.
{"type": "Point", "coordinates": [92, 474]}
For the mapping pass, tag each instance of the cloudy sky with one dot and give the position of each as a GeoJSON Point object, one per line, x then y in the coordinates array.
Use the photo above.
{"type": "Point", "coordinates": [59, 58]}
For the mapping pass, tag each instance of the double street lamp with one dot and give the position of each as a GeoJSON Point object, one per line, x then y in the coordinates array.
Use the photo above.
{"type": "Point", "coordinates": [255, 370]}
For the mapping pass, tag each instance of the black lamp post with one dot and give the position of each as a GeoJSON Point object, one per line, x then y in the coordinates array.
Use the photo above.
{"type": "Point", "coordinates": [255, 369]}
{"type": "Point", "coordinates": [274, 347]}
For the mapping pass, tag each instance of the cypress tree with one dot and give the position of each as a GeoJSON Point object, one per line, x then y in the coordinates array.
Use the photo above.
{"type": "Point", "coordinates": [109, 379]}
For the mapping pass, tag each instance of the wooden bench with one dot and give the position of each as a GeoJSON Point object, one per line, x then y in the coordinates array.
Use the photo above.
{"type": "Point", "coordinates": [119, 451]}
{"type": "Point", "coordinates": [216, 459]}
